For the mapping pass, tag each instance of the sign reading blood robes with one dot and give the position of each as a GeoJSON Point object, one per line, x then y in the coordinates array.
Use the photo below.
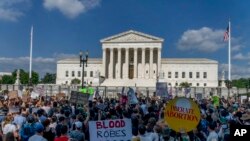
{"type": "Point", "coordinates": [182, 114]}
{"type": "Point", "coordinates": [110, 130]}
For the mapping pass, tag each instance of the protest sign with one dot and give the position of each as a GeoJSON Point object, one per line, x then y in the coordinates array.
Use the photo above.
{"type": "Point", "coordinates": [14, 110]}
{"type": "Point", "coordinates": [82, 98]}
{"type": "Point", "coordinates": [61, 95]}
{"type": "Point", "coordinates": [78, 97]}
{"type": "Point", "coordinates": [25, 98]}
{"type": "Point", "coordinates": [40, 90]}
{"type": "Point", "coordinates": [216, 101]}
{"type": "Point", "coordinates": [101, 106]}
{"type": "Point", "coordinates": [162, 89]}
{"type": "Point", "coordinates": [13, 95]}
{"type": "Point", "coordinates": [110, 130]}
{"type": "Point", "coordinates": [131, 96]}
{"type": "Point", "coordinates": [34, 95]}
{"type": "Point", "coordinates": [182, 114]}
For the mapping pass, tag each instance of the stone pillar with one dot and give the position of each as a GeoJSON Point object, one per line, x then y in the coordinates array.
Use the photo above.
{"type": "Point", "coordinates": [104, 62]}
{"type": "Point", "coordinates": [111, 61]}
{"type": "Point", "coordinates": [135, 63]}
{"type": "Point", "coordinates": [143, 62]}
{"type": "Point", "coordinates": [119, 63]}
{"type": "Point", "coordinates": [126, 63]}
{"type": "Point", "coordinates": [159, 62]}
{"type": "Point", "coordinates": [151, 63]}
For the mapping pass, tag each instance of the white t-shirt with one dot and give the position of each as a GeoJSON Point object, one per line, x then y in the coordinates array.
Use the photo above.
{"type": "Point", "coordinates": [9, 128]}
{"type": "Point", "coordinates": [213, 136]}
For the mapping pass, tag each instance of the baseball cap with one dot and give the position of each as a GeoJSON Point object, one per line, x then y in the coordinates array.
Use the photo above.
{"type": "Point", "coordinates": [78, 124]}
{"type": "Point", "coordinates": [38, 127]}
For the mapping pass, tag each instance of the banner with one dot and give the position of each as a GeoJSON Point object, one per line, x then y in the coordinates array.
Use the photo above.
{"type": "Point", "coordinates": [162, 89]}
{"type": "Point", "coordinates": [131, 96]}
{"type": "Point", "coordinates": [182, 114]}
{"type": "Point", "coordinates": [110, 130]}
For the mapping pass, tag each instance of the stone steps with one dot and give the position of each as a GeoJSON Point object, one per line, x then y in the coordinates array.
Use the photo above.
{"type": "Point", "coordinates": [130, 82]}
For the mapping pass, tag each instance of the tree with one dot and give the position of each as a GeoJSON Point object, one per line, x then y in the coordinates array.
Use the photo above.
{"type": "Point", "coordinates": [185, 85]}
{"type": "Point", "coordinates": [49, 78]}
{"type": "Point", "coordinates": [7, 79]}
{"type": "Point", "coordinates": [75, 81]}
{"type": "Point", "coordinates": [24, 77]}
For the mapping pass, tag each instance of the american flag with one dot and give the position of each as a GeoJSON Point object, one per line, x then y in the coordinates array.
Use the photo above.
{"type": "Point", "coordinates": [226, 34]}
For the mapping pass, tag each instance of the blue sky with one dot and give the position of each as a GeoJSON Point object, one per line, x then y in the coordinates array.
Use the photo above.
{"type": "Point", "coordinates": [191, 29]}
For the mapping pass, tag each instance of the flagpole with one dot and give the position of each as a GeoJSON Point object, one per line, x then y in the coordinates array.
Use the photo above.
{"type": "Point", "coordinates": [31, 46]}
{"type": "Point", "coordinates": [229, 51]}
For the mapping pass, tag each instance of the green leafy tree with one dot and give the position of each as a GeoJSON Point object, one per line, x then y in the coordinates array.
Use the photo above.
{"type": "Point", "coordinates": [75, 81]}
{"type": "Point", "coordinates": [49, 78]}
{"type": "Point", "coordinates": [24, 77]}
{"type": "Point", "coordinates": [185, 85]}
{"type": "Point", "coordinates": [7, 79]}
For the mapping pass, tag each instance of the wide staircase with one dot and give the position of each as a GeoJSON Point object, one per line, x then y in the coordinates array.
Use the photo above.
{"type": "Point", "coordinates": [129, 82]}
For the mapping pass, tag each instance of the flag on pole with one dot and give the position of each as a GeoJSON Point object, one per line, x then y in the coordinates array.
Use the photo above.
{"type": "Point", "coordinates": [226, 34]}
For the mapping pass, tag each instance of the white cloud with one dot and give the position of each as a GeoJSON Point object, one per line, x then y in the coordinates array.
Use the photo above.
{"type": "Point", "coordinates": [237, 71]}
{"type": "Point", "coordinates": [240, 56]}
{"type": "Point", "coordinates": [12, 10]}
{"type": "Point", "coordinates": [71, 8]}
{"type": "Point", "coordinates": [41, 65]}
{"type": "Point", "coordinates": [202, 40]}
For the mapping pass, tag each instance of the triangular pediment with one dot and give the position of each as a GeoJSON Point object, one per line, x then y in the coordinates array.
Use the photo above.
{"type": "Point", "coordinates": [131, 36]}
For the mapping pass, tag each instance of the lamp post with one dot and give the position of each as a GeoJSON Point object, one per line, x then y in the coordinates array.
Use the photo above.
{"type": "Point", "coordinates": [82, 61]}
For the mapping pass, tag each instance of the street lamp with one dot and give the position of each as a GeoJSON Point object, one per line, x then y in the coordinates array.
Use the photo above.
{"type": "Point", "coordinates": [82, 61]}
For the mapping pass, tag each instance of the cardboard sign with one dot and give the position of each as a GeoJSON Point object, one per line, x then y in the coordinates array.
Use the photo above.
{"type": "Point", "coordinates": [110, 130]}
{"type": "Point", "coordinates": [13, 95]}
{"type": "Point", "coordinates": [182, 114]}
{"type": "Point", "coordinates": [61, 95]}
{"type": "Point", "coordinates": [162, 89]}
{"type": "Point", "coordinates": [25, 98]}
{"type": "Point", "coordinates": [39, 90]}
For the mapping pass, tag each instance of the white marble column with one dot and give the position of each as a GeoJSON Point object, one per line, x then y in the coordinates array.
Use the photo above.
{"type": "Point", "coordinates": [159, 61]}
{"type": "Point", "coordinates": [151, 63]}
{"type": "Point", "coordinates": [111, 67]}
{"type": "Point", "coordinates": [143, 62]}
{"type": "Point", "coordinates": [135, 63]}
{"type": "Point", "coordinates": [126, 63]}
{"type": "Point", "coordinates": [104, 61]}
{"type": "Point", "coordinates": [119, 63]}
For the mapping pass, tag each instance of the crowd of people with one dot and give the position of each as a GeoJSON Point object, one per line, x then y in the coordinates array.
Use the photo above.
{"type": "Point", "coordinates": [52, 119]}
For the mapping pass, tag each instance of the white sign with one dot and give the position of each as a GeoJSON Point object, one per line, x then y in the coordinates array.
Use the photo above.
{"type": "Point", "coordinates": [110, 130]}
{"type": "Point", "coordinates": [34, 95]}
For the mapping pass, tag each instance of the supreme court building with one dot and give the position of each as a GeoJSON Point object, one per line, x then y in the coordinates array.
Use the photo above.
{"type": "Point", "coordinates": [133, 58]}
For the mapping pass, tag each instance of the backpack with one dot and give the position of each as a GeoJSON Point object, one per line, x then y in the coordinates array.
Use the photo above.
{"type": "Point", "coordinates": [27, 130]}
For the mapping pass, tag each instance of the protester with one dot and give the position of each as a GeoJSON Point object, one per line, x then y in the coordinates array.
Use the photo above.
{"type": "Point", "coordinates": [39, 133]}
{"type": "Point", "coordinates": [63, 136]}
{"type": "Point", "coordinates": [56, 119]}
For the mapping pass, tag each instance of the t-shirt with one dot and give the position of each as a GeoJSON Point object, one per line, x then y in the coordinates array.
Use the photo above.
{"type": "Point", "coordinates": [37, 138]}
{"type": "Point", "coordinates": [62, 138]}
{"type": "Point", "coordinates": [9, 128]}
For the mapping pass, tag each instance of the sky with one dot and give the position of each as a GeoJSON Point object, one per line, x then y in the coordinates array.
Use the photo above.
{"type": "Point", "coordinates": [190, 28]}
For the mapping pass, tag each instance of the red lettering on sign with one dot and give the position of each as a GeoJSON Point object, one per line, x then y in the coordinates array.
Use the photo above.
{"type": "Point", "coordinates": [98, 125]}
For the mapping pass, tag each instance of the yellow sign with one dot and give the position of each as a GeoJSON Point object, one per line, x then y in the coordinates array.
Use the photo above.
{"type": "Point", "coordinates": [182, 114]}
